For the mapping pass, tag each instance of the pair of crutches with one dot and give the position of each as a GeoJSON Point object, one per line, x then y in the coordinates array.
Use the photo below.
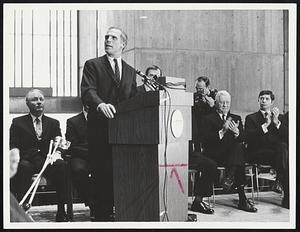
{"type": "Point", "coordinates": [51, 157]}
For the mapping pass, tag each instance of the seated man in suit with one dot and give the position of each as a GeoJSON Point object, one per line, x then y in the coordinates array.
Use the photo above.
{"type": "Point", "coordinates": [222, 142]}
{"type": "Point", "coordinates": [31, 134]}
{"type": "Point", "coordinates": [267, 139]}
{"type": "Point", "coordinates": [76, 133]}
{"type": "Point", "coordinates": [204, 102]}
{"type": "Point", "coordinates": [152, 72]}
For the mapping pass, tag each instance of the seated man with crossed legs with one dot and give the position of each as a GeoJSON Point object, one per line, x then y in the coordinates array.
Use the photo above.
{"type": "Point", "coordinates": [222, 142]}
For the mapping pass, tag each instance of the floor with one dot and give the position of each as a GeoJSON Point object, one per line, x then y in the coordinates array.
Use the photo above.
{"type": "Point", "coordinates": [269, 210]}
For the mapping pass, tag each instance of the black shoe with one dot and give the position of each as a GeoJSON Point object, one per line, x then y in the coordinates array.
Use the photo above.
{"type": "Point", "coordinates": [227, 183]}
{"type": "Point", "coordinates": [61, 216]}
{"type": "Point", "coordinates": [285, 203]}
{"type": "Point", "coordinates": [201, 207]}
{"type": "Point", "coordinates": [247, 206]}
{"type": "Point", "coordinates": [277, 187]}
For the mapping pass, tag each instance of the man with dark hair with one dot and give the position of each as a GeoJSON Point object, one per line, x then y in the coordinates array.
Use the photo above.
{"type": "Point", "coordinates": [76, 133]}
{"type": "Point", "coordinates": [267, 139]}
{"type": "Point", "coordinates": [106, 81]}
{"type": "Point", "coordinates": [31, 134]}
{"type": "Point", "coordinates": [152, 72]}
{"type": "Point", "coordinates": [222, 142]}
{"type": "Point", "coordinates": [204, 103]}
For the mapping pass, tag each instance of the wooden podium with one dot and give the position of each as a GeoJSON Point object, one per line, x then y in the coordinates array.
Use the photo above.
{"type": "Point", "coordinates": [147, 181]}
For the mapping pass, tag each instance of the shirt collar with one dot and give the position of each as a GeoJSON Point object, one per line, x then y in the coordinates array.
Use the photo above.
{"type": "Point", "coordinates": [111, 59]}
{"type": "Point", "coordinates": [34, 117]}
{"type": "Point", "coordinates": [263, 112]}
{"type": "Point", "coordinates": [221, 115]}
{"type": "Point", "coordinates": [84, 114]}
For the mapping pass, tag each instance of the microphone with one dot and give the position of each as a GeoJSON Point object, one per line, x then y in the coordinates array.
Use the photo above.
{"type": "Point", "coordinates": [147, 81]}
{"type": "Point", "coordinates": [141, 74]}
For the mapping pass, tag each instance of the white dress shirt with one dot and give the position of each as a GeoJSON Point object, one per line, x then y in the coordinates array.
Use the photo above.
{"type": "Point", "coordinates": [112, 64]}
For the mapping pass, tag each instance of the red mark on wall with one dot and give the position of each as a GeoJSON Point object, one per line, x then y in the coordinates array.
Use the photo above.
{"type": "Point", "coordinates": [175, 173]}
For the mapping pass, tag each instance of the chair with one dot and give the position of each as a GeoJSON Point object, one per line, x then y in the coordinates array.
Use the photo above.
{"type": "Point", "coordinates": [263, 176]}
{"type": "Point", "coordinates": [222, 174]}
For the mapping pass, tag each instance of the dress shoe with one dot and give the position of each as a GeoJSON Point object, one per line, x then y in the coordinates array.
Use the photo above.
{"type": "Point", "coordinates": [227, 183]}
{"type": "Point", "coordinates": [201, 207]}
{"type": "Point", "coordinates": [247, 206]}
{"type": "Point", "coordinates": [277, 187]}
{"type": "Point", "coordinates": [61, 217]}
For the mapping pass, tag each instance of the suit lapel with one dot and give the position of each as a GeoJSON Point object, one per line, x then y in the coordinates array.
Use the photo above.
{"type": "Point", "coordinates": [110, 70]}
{"type": "Point", "coordinates": [45, 125]}
{"type": "Point", "coordinates": [30, 125]}
{"type": "Point", "coordinates": [83, 124]}
{"type": "Point", "coordinates": [260, 118]}
{"type": "Point", "coordinates": [218, 120]}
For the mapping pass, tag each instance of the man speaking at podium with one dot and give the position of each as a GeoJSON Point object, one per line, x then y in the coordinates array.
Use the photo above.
{"type": "Point", "coordinates": [106, 81]}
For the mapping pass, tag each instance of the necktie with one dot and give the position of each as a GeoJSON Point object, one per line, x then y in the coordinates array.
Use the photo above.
{"type": "Point", "coordinates": [117, 71]}
{"type": "Point", "coordinates": [38, 127]}
{"type": "Point", "coordinates": [266, 115]}
{"type": "Point", "coordinates": [224, 117]}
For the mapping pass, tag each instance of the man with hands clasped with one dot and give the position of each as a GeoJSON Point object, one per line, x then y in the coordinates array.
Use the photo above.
{"type": "Point", "coordinates": [223, 137]}
{"type": "Point", "coordinates": [267, 142]}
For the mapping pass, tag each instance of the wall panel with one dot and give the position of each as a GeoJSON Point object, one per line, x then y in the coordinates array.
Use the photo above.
{"type": "Point", "coordinates": [239, 50]}
{"type": "Point", "coordinates": [43, 55]}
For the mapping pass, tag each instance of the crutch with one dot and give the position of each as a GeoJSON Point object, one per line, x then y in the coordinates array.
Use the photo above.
{"type": "Point", "coordinates": [35, 184]}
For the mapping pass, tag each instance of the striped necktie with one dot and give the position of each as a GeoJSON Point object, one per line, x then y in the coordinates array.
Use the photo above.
{"type": "Point", "coordinates": [38, 127]}
{"type": "Point", "coordinates": [117, 72]}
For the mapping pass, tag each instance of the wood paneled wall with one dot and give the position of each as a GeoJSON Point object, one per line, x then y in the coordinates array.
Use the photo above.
{"type": "Point", "coordinates": [241, 51]}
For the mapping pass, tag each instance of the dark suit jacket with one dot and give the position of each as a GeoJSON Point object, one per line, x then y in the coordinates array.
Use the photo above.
{"type": "Point", "coordinates": [23, 136]}
{"type": "Point", "coordinates": [98, 85]}
{"type": "Point", "coordinates": [76, 133]}
{"type": "Point", "coordinates": [256, 138]}
{"type": "Point", "coordinates": [211, 125]}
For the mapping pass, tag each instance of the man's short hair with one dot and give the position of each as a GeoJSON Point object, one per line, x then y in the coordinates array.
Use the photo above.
{"type": "Point", "coordinates": [33, 90]}
{"type": "Point", "coordinates": [123, 35]}
{"type": "Point", "coordinates": [153, 67]}
{"type": "Point", "coordinates": [267, 92]}
{"type": "Point", "coordinates": [204, 79]}
{"type": "Point", "coordinates": [221, 93]}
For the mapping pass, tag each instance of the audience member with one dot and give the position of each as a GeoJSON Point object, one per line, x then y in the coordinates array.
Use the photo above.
{"type": "Point", "coordinates": [76, 133]}
{"type": "Point", "coordinates": [152, 72]}
{"type": "Point", "coordinates": [106, 81]}
{"type": "Point", "coordinates": [267, 137]}
{"type": "Point", "coordinates": [17, 213]}
{"type": "Point", "coordinates": [204, 103]}
{"type": "Point", "coordinates": [222, 142]}
{"type": "Point", "coordinates": [31, 134]}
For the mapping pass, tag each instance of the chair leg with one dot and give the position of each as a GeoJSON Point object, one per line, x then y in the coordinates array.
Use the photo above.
{"type": "Point", "coordinates": [193, 184]}
{"type": "Point", "coordinates": [214, 198]}
{"type": "Point", "coordinates": [69, 194]}
{"type": "Point", "coordinates": [252, 184]}
{"type": "Point", "coordinates": [257, 183]}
